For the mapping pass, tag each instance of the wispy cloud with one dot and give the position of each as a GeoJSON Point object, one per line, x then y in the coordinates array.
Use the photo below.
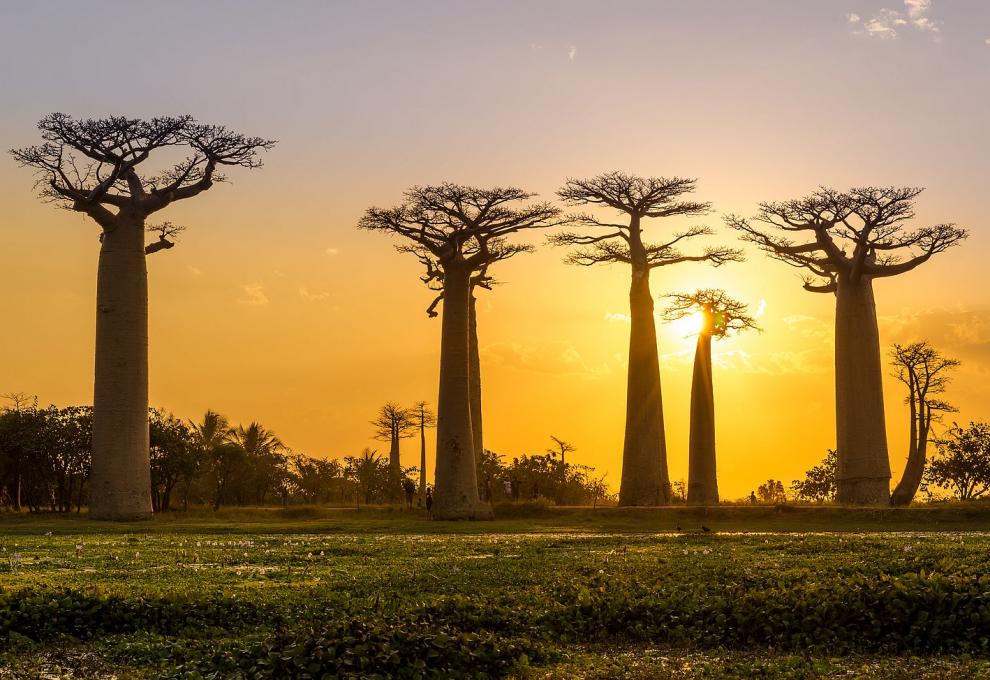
{"type": "Point", "coordinates": [618, 317]}
{"type": "Point", "coordinates": [195, 271]}
{"type": "Point", "coordinates": [313, 296]}
{"type": "Point", "coordinates": [332, 251]}
{"type": "Point", "coordinates": [254, 294]}
{"type": "Point", "coordinates": [571, 52]}
{"type": "Point", "coordinates": [888, 23]}
{"type": "Point", "coordinates": [560, 358]}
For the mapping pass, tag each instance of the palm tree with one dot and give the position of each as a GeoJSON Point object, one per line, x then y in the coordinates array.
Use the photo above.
{"type": "Point", "coordinates": [211, 441]}
{"type": "Point", "coordinates": [263, 450]}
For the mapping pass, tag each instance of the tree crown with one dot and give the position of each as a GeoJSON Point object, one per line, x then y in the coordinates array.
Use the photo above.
{"type": "Point", "coordinates": [90, 164]}
{"type": "Point", "coordinates": [858, 233]}
{"type": "Point", "coordinates": [636, 197]}
{"type": "Point", "coordinates": [722, 314]}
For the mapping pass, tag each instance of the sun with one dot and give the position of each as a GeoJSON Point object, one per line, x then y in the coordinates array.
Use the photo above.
{"type": "Point", "coordinates": [688, 326]}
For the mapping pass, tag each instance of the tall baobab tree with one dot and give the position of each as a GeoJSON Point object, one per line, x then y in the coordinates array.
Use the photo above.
{"type": "Point", "coordinates": [498, 250]}
{"type": "Point", "coordinates": [392, 424]}
{"type": "Point", "coordinates": [645, 480]}
{"type": "Point", "coordinates": [95, 167]}
{"type": "Point", "coordinates": [846, 241]}
{"type": "Point", "coordinates": [458, 225]}
{"type": "Point", "coordinates": [424, 417]}
{"type": "Point", "coordinates": [720, 316]}
{"type": "Point", "coordinates": [925, 372]}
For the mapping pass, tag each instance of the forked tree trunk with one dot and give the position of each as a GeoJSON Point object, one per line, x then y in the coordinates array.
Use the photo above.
{"type": "Point", "coordinates": [644, 453]}
{"type": "Point", "coordinates": [456, 493]}
{"type": "Point", "coordinates": [474, 368]}
{"type": "Point", "coordinates": [914, 469]}
{"type": "Point", "coordinates": [702, 479]}
{"type": "Point", "coordinates": [121, 476]}
{"type": "Point", "coordinates": [863, 468]}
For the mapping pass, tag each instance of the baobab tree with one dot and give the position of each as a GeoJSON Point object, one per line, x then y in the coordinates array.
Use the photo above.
{"type": "Point", "coordinates": [925, 372]}
{"type": "Point", "coordinates": [458, 225]}
{"type": "Point", "coordinates": [848, 240]}
{"type": "Point", "coordinates": [95, 167]}
{"type": "Point", "coordinates": [498, 250]}
{"type": "Point", "coordinates": [424, 417]}
{"type": "Point", "coordinates": [392, 424]}
{"type": "Point", "coordinates": [720, 316]}
{"type": "Point", "coordinates": [561, 448]}
{"type": "Point", "coordinates": [645, 480]}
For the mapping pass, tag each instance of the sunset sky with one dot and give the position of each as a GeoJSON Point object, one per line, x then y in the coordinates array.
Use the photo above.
{"type": "Point", "coordinates": [274, 307]}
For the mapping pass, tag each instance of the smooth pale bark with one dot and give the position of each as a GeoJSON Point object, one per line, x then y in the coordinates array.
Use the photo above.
{"type": "Point", "coordinates": [863, 469]}
{"type": "Point", "coordinates": [644, 452]}
{"type": "Point", "coordinates": [456, 493]}
{"type": "Point", "coordinates": [121, 471]}
{"type": "Point", "coordinates": [474, 360]}
{"type": "Point", "coordinates": [914, 469]}
{"type": "Point", "coordinates": [702, 478]}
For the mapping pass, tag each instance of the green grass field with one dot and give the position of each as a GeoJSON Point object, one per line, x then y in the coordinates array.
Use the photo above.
{"type": "Point", "coordinates": [551, 593]}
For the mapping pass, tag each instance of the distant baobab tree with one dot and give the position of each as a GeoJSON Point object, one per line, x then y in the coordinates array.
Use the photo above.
{"type": "Point", "coordinates": [424, 417]}
{"type": "Point", "coordinates": [92, 166]}
{"type": "Point", "coordinates": [458, 225]}
{"type": "Point", "coordinates": [721, 315]}
{"type": "Point", "coordinates": [847, 240]}
{"type": "Point", "coordinates": [561, 448]}
{"type": "Point", "coordinates": [645, 480]}
{"type": "Point", "coordinates": [925, 372]}
{"type": "Point", "coordinates": [392, 424]}
{"type": "Point", "coordinates": [499, 250]}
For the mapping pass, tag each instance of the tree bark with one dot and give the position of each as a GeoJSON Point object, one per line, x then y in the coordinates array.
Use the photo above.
{"type": "Point", "coordinates": [422, 455]}
{"type": "Point", "coordinates": [394, 469]}
{"type": "Point", "coordinates": [644, 454]}
{"type": "Point", "coordinates": [863, 469]}
{"type": "Point", "coordinates": [702, 478]}
{"type": "Point", "coordinates": [914, 469]}
{"type": "Point", "coordinates": [474, 375]}
{"type": "Point", "coordinates": [121, 476]}
{"type": "Point", "coordinates": [456, 493]}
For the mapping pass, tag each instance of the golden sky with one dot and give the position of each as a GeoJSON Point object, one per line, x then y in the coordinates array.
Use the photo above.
{"type": "Point", "coordinates": [275, 308]}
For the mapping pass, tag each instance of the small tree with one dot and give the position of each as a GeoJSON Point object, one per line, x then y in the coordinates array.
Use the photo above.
{"type": "Point", "coordinates": [962, 463]}
{"type": "Point", "coordinates": [772, 491]}
{"type": "Point", "coordinates": [424, 418]}
{"type": "Point", "coordinates": [925, 372]}
{"type": "Point", "coordinates": [645, 479]}
{"type": "Point", "coordinates": [96, 167]}
{"type": "Point", "coordinates": [561, 448]}
{"type": "Point", "coordinates": [818, 484]}
{"type": "Point", "coordinates": [174, 458]}
{"type": "Point", "coordinates": [848, 240]}
{"type": "Point", "coordinates": [392, 424]}
{"type": "Point", "coordinates": [720, 316]}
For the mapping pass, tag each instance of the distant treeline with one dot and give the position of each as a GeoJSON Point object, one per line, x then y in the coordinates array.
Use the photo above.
{"type": "Point", "coordinates": [45, 461]}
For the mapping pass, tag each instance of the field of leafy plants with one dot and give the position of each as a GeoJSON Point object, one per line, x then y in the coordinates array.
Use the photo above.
{"type": "Point", "coordinates": [154, 601]}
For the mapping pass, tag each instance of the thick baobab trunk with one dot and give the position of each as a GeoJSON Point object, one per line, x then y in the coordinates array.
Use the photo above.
{"type": "Point", "coordinates": [474, 368]}
{"type": "Point", "coordinates": [702, 479]}
{"type": "Point", "coordinates": [914, 469]}
{"type": "Point", "coordinates": [644, 453]}
{"type": "Point", "coordinates": [121, 477]}
{"type": "Point", "coordinates": [456, 494]}
{"type": "Point", "coordinates": [863, 472]}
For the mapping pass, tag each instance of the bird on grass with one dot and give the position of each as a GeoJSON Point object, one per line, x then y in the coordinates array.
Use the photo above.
{"type": "Point", "coordinates": [705, 529]}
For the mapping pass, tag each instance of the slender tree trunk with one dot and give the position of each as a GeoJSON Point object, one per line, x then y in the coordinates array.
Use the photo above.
{"type": "Point", "coordinates": [644, 454]}
{"type": "Point", "coordinates": [422, 453]}
{"type": "Point", "coordinates": [394, 468]}
{"type": "Point", "coordinates": [914, 470]}
{"type": "Point", "coordinates": [121, 477]}
{"type": "Point", "coordinates": [456, 494]}
{"type": "Point", "coordinates": [474, 375]}
{"type": "Point", "coordinates": [702, 478]}
{"type": "Point", "coordinates": [863, 470]}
